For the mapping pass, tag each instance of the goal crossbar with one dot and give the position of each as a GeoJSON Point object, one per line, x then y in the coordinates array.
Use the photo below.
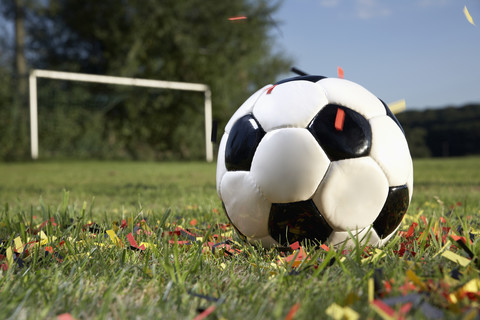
{"type": "Point", "coordinates": [136, 82]}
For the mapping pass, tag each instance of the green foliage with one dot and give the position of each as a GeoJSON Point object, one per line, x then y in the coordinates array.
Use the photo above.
{"type": "Point", "coordinates": [188, 40]}
{"type": "Point", "coordinates": [14, 134]}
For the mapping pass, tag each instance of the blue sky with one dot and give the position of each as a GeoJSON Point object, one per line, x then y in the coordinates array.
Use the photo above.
{"type": "Point", "coordinates": [423, 51]}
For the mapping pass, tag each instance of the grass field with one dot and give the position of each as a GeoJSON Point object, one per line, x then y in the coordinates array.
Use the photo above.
{"type": "Point", "coordinates": [58, 256]}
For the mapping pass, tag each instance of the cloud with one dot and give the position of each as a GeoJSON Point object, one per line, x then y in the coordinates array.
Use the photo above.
{"type": "Point", "coordinates": [369, 9]}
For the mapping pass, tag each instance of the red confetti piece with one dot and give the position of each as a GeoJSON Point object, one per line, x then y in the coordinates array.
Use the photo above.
{"type": "Point", "coordinates": [459, 238]}
{"type": "Point", "coordinates": [271, 88]}
{"type": "Point", "coordinates": [411, 230]}
{"type": "Point", "coordinates": [205, 313]}
{"type": "Point", "coordinates": [65, 316]}
{"type": "Point", "coordinates": [388, 286]}
{"type": "Point", "coordinates": [193, 222]}
{"type": "Point", "coordinates": [295, 245]}
{"type": "Point", "coordinates": [133, 243]}
{"type": "Point", "coordinates": [340, 72]}
{"type": "Point", "coordinates": [237, 18]}
{"type": "Point", "coordinates": [383, 308]}
{"type": "Point", "coordinates": [325, 247]}
{"type": "Point", "coordinates": [339, 119]}
{"type": "Point", "coordinates": [293, 311]}
{"type": "Point", "coordinates": [405, 308]}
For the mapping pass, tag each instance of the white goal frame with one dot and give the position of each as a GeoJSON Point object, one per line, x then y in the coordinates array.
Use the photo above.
{"type": "Point", "coordinates": [136, 82]}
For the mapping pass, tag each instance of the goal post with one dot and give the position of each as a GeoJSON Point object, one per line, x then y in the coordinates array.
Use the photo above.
{"type": "Point", "coordinates": [136, 82]}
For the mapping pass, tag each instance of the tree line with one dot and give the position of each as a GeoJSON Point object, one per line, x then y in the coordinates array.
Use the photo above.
{"type": "Point", "coordinates": [444, 132]}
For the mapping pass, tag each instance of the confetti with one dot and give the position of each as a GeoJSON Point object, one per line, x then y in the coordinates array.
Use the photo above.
{"type": "Point", "coordinates": [339, 119]}
{"type": "Point", "coordinates": [467, 15]}
{"type": "Point", "coordinates": [237, 18]}
{"type": "Point", "coordinates": [205, 313]}
{"type": "Point", "coordinates": [114, 238]}
{"type": "Point", "coordinates": [371, 289]}
{"type": "Point", "coordinates": [65, 316]}
{"type": "Point", "coordinates": [269, 91]}
{"type": "Point", "coordinates": [415, 279]}
{"type": "Point", "coordinates": [397, 106]}
{"type": "Point", "coordinates": [456, 258]}
{"type": "Point", "coordinates": [293, 311]}
{"type": "Point", "coordinates": [339, 313]}
{"type": "Point", "coordinates": [9, 256]}
{"type": "Point", "coordinates": [340, 72]}
{"type": "Point", "coordinates": [383, 310]}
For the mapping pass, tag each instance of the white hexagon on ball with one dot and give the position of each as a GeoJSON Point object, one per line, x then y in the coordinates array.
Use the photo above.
{"type": "Point", "coordinates": [288, 165]}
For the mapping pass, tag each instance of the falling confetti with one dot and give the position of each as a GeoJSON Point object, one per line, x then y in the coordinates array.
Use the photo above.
{"type": "Point", "coordinates": [397, 106]}
{"type": "Point", "coordinates": [467, 15]}
{"type": "Point", "coordinates": [340, 72]}
{"type": "Point", "coordinates": [237, 18]}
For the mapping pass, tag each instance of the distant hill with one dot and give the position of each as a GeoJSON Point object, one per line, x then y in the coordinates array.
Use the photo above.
{"type": "Point", "coordinates": [450, 131]}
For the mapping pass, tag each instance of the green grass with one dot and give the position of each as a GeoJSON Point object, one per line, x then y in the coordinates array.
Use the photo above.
{"type": "Point", "coordinates": [97, 279]}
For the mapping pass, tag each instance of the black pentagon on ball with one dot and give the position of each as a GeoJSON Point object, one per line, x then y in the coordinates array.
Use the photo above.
{"type": "Point", "coordinates": [392, 212]}
{"type": "Point", "coordinates": [242, 142]}
{"type": "Point", "coordinates": [310, 78]}
{"type": "Point", "coordinates": [297, 221]}
{"type": "Point", "coordinates": [344, 138]}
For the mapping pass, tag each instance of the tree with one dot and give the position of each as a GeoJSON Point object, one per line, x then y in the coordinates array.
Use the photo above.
{"type": "Point", "coordinates": [20, 61]}
{"type": "Point", "coordinates": [188, 40]}
{"type": "Point", "coordinates": [13, 75]}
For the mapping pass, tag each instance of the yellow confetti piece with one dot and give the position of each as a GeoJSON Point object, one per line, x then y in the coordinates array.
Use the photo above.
{"type": "Point", "coordinates": [338, 312]}
{"type": "Point", "coordinates": [18, 244]}
{"type": "Point", "coordinates": [371, 289]}
{"type": "Point", "coordinates": [146, 244]}
{"type": "Point", "coordinates": [415, 279]}
{"type": "Point", "coordinates": [467, 15]}
{"type": "Point", "coordinates": [46, 240]}
{"type": "Point", "coordinates": [472, 285]}
{"type": "Point", "coordinates": [9, 256]}
{"type": "Point", "coordinates": [113, 237]}
{"type": "Point", "coordinates": [456, 258]}
{"type": "Point", "coordinates": [453, 298]}
{"type": "Point", "coordinates": [222, 266]}
{"type": "Point", "coordinates": [397, 106]}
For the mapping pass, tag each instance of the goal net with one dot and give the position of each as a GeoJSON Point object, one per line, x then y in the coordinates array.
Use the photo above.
{"type": "Point", "coordinates": [111, 81]}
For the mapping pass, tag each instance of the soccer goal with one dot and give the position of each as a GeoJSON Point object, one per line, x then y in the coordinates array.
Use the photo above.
{"type": "Point", "coordinates": [136, 82]}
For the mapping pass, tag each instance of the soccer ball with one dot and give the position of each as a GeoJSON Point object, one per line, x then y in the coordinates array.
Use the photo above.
{"type": "Point", "coordinates": [316, 159]}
